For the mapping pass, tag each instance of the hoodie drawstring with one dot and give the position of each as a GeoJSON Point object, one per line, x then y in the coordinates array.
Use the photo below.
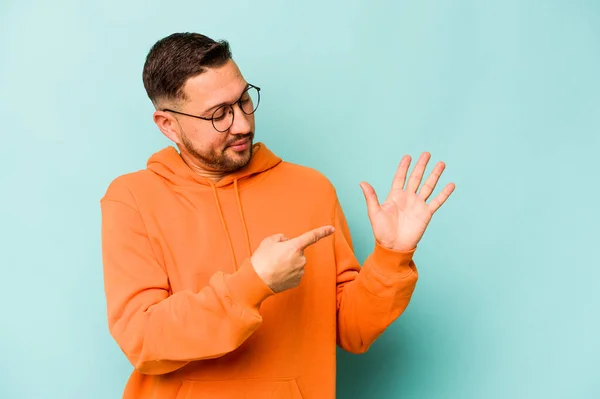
{"type": "Point", "coordinates": [240, 209]}
{"type": "Point", "coordinates": [239, 201]}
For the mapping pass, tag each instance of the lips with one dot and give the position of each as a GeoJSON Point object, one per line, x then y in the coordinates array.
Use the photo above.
{"type": "Point", "coordinates": [246, 140]}
{"type": "Point", "coordinates": [241, 142]}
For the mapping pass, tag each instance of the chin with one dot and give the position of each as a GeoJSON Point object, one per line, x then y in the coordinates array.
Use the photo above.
{"type": "Point", "coordinates": [239, 159]}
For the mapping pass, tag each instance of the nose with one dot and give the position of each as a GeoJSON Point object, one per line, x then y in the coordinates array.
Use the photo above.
{"type": "Point", "coordinates": [242, 123]}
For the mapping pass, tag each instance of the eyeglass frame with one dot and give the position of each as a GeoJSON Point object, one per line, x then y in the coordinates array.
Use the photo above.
{"type": "Point", "coordinates": [212, 118]}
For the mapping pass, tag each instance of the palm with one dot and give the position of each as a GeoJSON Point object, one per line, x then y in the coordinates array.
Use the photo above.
{"type": "Point", "coordinates": [400, 222]}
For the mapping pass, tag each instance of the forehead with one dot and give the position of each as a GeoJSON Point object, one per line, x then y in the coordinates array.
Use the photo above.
{"type": "Point", "coordinates": [215, 85]}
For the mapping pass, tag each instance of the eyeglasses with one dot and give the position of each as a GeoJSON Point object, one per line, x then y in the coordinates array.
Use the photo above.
{"type": "Point", "coordinates": [222, 117]}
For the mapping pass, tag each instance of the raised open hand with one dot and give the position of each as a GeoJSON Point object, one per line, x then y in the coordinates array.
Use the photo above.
{"type": "Point", "coordinates": [400, 222]}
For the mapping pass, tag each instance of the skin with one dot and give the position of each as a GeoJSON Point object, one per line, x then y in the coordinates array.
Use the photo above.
{"type": "Point", "coordinates": [206, 150]}
{"type": "Point", "coordinates": [398, 224]}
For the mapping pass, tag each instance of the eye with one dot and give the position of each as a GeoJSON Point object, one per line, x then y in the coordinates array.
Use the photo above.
{"type": "Point", "coordinates": [219, 114]}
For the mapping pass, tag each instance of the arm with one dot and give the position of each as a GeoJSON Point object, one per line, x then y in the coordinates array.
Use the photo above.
{"type": "Point", "coordinates": [371, 298]}
{"type": "Point", "coordinates": [160, 332]}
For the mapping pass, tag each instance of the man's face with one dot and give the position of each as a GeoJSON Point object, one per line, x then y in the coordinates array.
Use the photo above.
{"type": "Point", "coordinates": [212, 149]}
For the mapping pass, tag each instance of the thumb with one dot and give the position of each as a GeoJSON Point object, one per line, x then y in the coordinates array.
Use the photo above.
{"type": "Point", "coordinates": [371, 198]}
{"type": "Point", "coordinates": [279, 238]}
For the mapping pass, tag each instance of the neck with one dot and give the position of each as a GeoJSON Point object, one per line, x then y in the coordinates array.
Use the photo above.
{"type": "Point", "coordinates": [213, 175]}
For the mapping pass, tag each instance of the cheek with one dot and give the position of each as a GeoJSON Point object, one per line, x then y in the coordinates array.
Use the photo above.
{"type": "Point", "coordinates": [205, 138]}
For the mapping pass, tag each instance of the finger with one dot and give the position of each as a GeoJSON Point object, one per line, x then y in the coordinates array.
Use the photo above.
{"type": "Point", "coordinates": [371, 198]}
{"type": "Point", "coordinates": [400, 175]}
{"type": "Point", "coordinates": [417, 174]}
{"type": "Point", "coordinates": [431, 182]}
{"type": "Point", "coordinates": [311, 237]}
{"type": "Point", "coordinates": [438, 201]}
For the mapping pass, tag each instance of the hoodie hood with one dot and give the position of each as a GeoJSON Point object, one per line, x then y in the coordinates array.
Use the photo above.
{"type": "Point", "coordinates": [168, 164]}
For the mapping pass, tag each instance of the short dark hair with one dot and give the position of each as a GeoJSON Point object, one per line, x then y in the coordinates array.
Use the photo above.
{"type": "Point", "coordinates": [174, 59]}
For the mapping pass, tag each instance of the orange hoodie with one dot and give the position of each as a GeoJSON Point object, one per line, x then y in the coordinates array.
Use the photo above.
{"type": "Point", "coordinates": [187, 308]}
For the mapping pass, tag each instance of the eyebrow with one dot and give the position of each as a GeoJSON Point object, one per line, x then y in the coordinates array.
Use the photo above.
{"type": "Point", "coordinates": [225, 103]}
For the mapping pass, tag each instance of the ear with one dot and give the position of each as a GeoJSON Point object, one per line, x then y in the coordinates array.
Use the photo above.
{"type": "Point", "coordinates": [168, 125]}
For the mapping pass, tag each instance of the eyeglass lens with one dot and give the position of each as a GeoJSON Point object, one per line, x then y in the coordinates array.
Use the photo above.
{"type": "Point", "coordinates": [223, 116]}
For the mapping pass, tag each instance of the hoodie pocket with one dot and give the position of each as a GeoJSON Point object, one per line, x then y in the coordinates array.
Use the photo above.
{"type": "Point", "coordinates": [261, 388]}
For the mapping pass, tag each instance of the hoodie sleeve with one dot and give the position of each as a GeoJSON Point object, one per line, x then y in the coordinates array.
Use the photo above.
{"type": "Point", "coordinates": [159, 331]}
{"type": "Point", "coordinates": [371, 297]}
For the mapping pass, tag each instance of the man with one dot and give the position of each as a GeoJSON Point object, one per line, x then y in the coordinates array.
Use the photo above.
{"type": "Point", "coordinates": [230, 273]}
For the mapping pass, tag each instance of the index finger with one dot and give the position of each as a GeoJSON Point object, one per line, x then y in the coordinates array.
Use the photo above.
{"type": "Point", "coordinates": [311, 237]}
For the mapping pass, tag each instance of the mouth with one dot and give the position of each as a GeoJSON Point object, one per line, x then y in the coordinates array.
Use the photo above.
{"type": "Point", "coordinates": [240, 145]}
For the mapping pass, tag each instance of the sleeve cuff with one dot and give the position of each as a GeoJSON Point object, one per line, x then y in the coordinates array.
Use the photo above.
{"type": "Point", "coordinates": [391, 262]}
{"type": "Point", "coordinates": [246, 287]}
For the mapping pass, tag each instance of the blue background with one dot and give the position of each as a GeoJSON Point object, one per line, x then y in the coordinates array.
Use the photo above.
{"type": "Point", "coordinates": [507, 93]}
